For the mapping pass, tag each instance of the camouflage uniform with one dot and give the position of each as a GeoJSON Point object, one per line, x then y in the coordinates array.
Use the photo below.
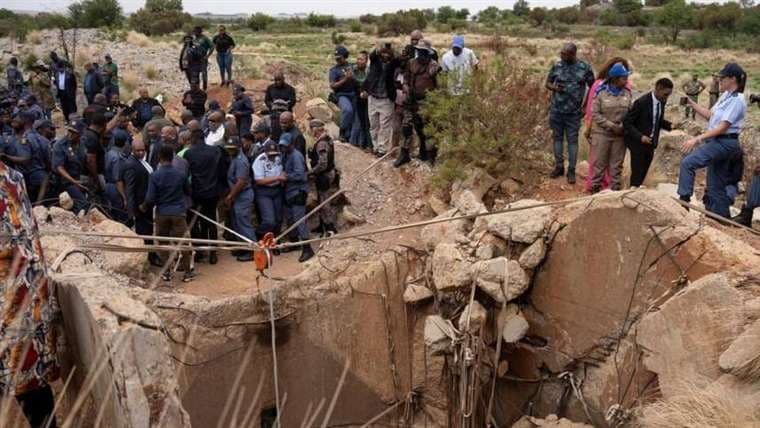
{"type": "Point", "coordinates": [322, 159]}
{"type": "Point", "coordinates": [39, 84]}
{"type": "Point", "coordinates": [693, 88]}
{"type": "Point", "coordinates": [566, 107]}
{"type": "Point", "coordinates": [714, 92]}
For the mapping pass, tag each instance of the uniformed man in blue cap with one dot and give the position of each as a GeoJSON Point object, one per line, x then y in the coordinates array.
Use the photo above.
{"type": "Point", "coordinates": [296, 193]}
{"type": "Point", "coordinates": [269, 178]}
{"type": "Point", "coordinates": [240, 197]}
{"type": "Point", "coordinates": [39, 138]}
{"type": "Point", "coordinates": [115, 191]}
{"type": "Point", "coordinates": [67, 161]}
{"type": "Point", "coordinates": [28, 153]}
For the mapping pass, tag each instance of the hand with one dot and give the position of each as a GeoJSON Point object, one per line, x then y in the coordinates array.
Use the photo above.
{"type": "Point", "coordinates": [689, 145]}
{"type": "Point", "coordinates": [364, 95]}
{"type": "Point", "coordinates": [646, 140]}
{"type": "Point", "coordinates": [348, 72]}
{"type": "Point", "coordinates": [228, 201]}
{"type": "Point", "coordinates": [618, 129]}
{"type": "Point", "coordinates": [283, 177]}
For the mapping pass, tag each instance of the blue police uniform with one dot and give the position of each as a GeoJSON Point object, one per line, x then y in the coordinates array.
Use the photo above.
{"type": "Point", "coordinates": [717, 154]}
{"type": "Point", "coordinates": [244, 108]}
{"type": "Point", "coordinates": [37, 149]}
{"type": "Point", "coordinates": [296, 190]}
{"type": "Point", "coordinates": [72, 159]}
{"type": "Point", "coordinates": [268, 198]}
{"type": "Point", "coordinates": [115, 161]}
{"type": "Point", "coordinates": [240, 215]}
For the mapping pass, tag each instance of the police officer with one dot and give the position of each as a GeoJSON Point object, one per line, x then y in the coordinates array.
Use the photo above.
{"type": "Point", "coordinates": [718, 147]}
{"type": "Point", "coordinates": [240, 197]}
{"type": "Point", "coordinates": [322, 159]}
{"type": "Point", "coordinates": [67, 161]}
{"type": "Point", "coordinates": [25, 153]}
{"type": "Point", "coordinates": [296, 192]}
{"type": "Point", "coordinates": [269, 179]}
{"type": "Point", "coordinates": [261, 136]}
{"type": "Point", "coordinates": [568, 80]}
{"type": "Point", "coordinates": [115, 161]}
{"type": "Point", "coordinates": [37, 173]}
{"type": "Point", "coordinates": [693, 88]}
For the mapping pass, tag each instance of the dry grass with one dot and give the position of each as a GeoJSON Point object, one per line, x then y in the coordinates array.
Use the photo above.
{"type": "Point", "coordinates": [150, 72]}
{"type": "Point", "coordinates": [34, 37]}
{"type": "Point", "coordinates": [715, 406]}
{"type": "Point", "coordinates": [129, 81]}
{"type": "Point", "coordinates": [138, 39]}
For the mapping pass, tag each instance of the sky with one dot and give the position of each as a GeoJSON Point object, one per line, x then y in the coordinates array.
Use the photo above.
{"type": "Point", "coordinates": [332, 7]}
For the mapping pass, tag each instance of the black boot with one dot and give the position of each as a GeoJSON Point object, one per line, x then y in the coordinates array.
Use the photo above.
{"type": "Point", "coordinates": [319, 229]}
{"type": "Point", "coordinates": [245, 256]}
{"type": "Point", "coordinates": [212, 257]}
{"type": "Point", "coordinates": [330, 228]}
{"type": "Point", "coordinates": [403, 157]}
{"type": "Point", "coordinates": [433, 155]}
{"type": "Point", "coordinates": [155, 260]}
{"type": "Point", "coordinates": [570, 176]}
{"type": "Point", "coordinates": [306, 253]}
{"type": "Point", "coordinates": [558, 171]}
{"type": "Point", "coordinates": [744, 217]}
{"type": "Point", "coordinates": [423, 154]}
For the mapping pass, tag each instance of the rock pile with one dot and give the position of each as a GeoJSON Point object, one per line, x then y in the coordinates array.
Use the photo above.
{"type": "Point", "coordinates": [616, 294]}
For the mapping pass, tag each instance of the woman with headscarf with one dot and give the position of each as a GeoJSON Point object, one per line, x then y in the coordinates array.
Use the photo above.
{"type": "Point", "coordinates": [611, 103]}
{"type": "Point", "coordinates": [601, 77]}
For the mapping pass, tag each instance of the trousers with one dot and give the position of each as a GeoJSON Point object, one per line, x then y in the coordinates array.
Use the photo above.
{"type": "Point", "coordinates": [269, 203]}
{"type": "Point", "coordinates": [347, 105]}
{"type": "Point", "coordinates": [176, 227]}
{"type": "Point", "coordinates": [224, 59]}
{"type": "Point", "coordinates": [753, 194]}
{"type": "Point", "coordinates": [203, 229]}
{"type": "Point", "coordinates": [293, 214]}
{"type": "Point", "coordinates": [565, 126]}
{"type": "Point", "coordinates": [609, 154]}
{"type": "Point", "coordinates": [715, 154]}
{"type": "Point", "coordinates": [240, 215]}
{"type": "Point", "coordinates": [380, 112]}
{"type": "Point", "coordinates": [360, 136]}
{"type": "Point", "coordinates": [411, 122]}
{"type": "Point", "coordinates": [641, 160]}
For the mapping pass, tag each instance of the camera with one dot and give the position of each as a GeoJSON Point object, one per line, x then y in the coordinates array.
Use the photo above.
{"type": "Point", "coordinates": [683, 101]}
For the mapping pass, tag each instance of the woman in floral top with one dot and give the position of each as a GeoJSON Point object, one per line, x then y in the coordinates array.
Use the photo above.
{"type": "Point", "coordinates": [28, 311]}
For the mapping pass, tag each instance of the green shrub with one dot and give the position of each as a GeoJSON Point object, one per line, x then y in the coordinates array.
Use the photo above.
{"type": "Point", "coordinates": [491, 127]}
{"type": "Point", "coordinates": [96, 13]}
{"type": "Point", "coordinates": [259, 21]}
{"type": "Point", "coordinates": [160, 17]}
{"type": "Point", "coordinates": [625, 42]}
{"type": "Point", "coordinates": [401, 22]}
{"type": "Point", "coordinates": [356, 26]}
{"type": "Point", "coordinates": [337, 38]}
{"type": "Point", "coordinates": [320, 21]}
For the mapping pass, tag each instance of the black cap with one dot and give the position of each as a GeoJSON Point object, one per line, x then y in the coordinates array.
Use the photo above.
{"type": "Point", "coordinates": [732, 69]}
{"type": "Point", "coordinates": [341, 51]}
{"type": "Point", "coordinates": [261, 127]}
{"type": "Point", "coordinates": [76, 126]}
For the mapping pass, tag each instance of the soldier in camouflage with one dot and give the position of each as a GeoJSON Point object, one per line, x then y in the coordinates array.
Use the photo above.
{"type": "Point", "coordinates": [693, 88]}
{"type": "Point", "coordinates": [569, 81]}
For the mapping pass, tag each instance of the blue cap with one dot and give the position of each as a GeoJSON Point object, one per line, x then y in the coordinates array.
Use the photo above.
{"type": "Point", "coordinates": [286, 139]}
{"type": "Point", "coordinates": [76, 126]}
{"type": "Point", "coordinates": [261, 127]}
{"type": "Point", "coordinates": [458, 42]}
{"type": "Point", "coordinates": [732, 69]}
{"type": "Point", "coordinates": [27, 116]}
{"type": "Point", "coordinates": [341, 51]}
{"type": "Point", "coordinates": [618, 70]}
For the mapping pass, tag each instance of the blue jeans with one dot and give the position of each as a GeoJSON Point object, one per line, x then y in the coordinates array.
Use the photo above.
{"type": "Point", "coordinates": [116, 206]}
{"type": "Point", "coordinates": [753, 194]}
{"type": "Point", "coordinates": [360, 130]}
{"type": "Point", "coordinates": [716, 155]}
{"type": "Point", "coordinates": [347, 104]}
{"type": "Point", "coordinates": [224, 59]}
{"type": "Point", "coordinates": [269, 204]}
{"type": "Point", "coordinates": [565, 126]}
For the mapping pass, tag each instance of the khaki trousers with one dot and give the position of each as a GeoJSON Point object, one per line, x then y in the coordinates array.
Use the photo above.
{"type": "Point", "coordinates": [176, 227]}
{"type": "Point", "coordinates": [381, 123]}
{"type": "Point", "coordinates": [609, 152]}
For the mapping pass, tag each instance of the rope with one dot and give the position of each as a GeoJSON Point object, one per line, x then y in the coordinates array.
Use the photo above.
{"type": "Point", "coordinates": [248, 240]}
{"type": "Point", "coordinates": [335, 195]}
{"type": "Point", "coordinates": [144, 237]}
{"type": "Point", "coordinates": [274, 357]}
{"type": "Point", "coordinates": [718, 218]}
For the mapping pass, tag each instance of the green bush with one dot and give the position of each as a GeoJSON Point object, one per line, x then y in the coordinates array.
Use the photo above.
{"type": "Point", "coordinates": [96, 13]}
{"type": "Point", "coordinates": [401, 22]}
{"type": "Point", "coordinates": [356, 26]}
{"type": "Point", "coordinates": [160, 17]}
{"type": "Point", "coordinates": [320, 21]}
{"type": "Point", "coordinates": [510, 98]}
{"type": "Point", "coordinates": [337, 38]}
{"type": "Point", "coordinates": [625, 42]}
{"type": "Point", "coordinates": [259, 21]}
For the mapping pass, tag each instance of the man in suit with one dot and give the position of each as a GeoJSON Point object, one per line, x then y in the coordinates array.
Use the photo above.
{"type": "Point", "coordinates": [66, 84]}
{"type": "Point", "coordinates": [642, 126]}
{"type": "Point", "coordinates": [135, 177]}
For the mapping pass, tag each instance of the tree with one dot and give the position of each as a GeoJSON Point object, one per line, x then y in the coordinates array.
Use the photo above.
{"type": "Point", "coordinates": [627, 6]}
{"type": "Point", "coordinates": [320, 21]}
{"type": "Point", "coordinates": [445, 14]}
{"type": "Point", "coordinates": [259, 21]}
{"type": "Point", "coordinates": [676, 15]}
{"type": "Point", "coordinates": [750, 22]}
{"type": "Point", "coordinates": [538, 15]}
{"type": "Point", "coordinates": [96, 13]}
{"type": "Point", "coordinates": [521, 8]}
{"type": "Point", "coordinates": [159, 17]}
{"type": "Point", "coordinates": [401, 22]}
{"type": "Point", "coordinates": [489, 15]}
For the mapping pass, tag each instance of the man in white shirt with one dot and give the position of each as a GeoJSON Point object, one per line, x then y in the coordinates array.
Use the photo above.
{"type": "Point", "coordinates": [459, 63]}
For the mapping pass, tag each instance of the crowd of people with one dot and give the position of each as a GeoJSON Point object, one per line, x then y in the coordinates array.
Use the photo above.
{"type": "Point", "coordinates": [616, 123]}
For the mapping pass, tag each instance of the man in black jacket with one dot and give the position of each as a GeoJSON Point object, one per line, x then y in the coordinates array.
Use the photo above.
{"type": "Point", "coordinates": [143, 107]}
{"type": "Point", "coordinates": [381, 87]}
{"type": "Point", "coordinates": [195, 100]}
{"type": "Point", "coordinates": [66, 85]}
{"type": "Point", "coordinates": [279, 90]}
{"type": "Point", "coordinates": [135, 176]}
{"type": "Point", "coordinates": [642, 125]}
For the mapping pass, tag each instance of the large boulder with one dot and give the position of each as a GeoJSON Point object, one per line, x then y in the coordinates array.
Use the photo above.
{"type": "Point", "coordinates": [533, 255]}
{"type": "Point", "coordinates": [439, 334]}
{"type": "Point", "coordinates": [317, 108]}
{"type": "Point", "coordinates": [473, 317]}
{"type": "Point", "coordinates": [126, 263]}
{"type": "Point", "coordinates": [450, 269]}
{"type": "Point", "coordinates": [742, 358]}
{"type": "Point", "coordinates": [686, 337]}
{"type": "Point", "coordinates": [478, 181]}
{"type": "Point", "coordinates": [500, 278]}
{"type": "Point", "coordinates": [513, 324]}
{"type": "Point", "coordinates": [468, 202]}
{"type": "Point", "coordinates": [523, 226]}
{"type": "Point", "coordinates": [445, 232]}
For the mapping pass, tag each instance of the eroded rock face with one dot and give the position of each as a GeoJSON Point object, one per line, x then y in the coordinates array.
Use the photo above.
{"type": "Point", "coordinates": [131, 264]}
{"type": "Point", "coordinates": [686, 337]}
{"type": "Point", "coordinates": [742, 358]}
{"type": "Point", "coordinates": [447, 232]}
